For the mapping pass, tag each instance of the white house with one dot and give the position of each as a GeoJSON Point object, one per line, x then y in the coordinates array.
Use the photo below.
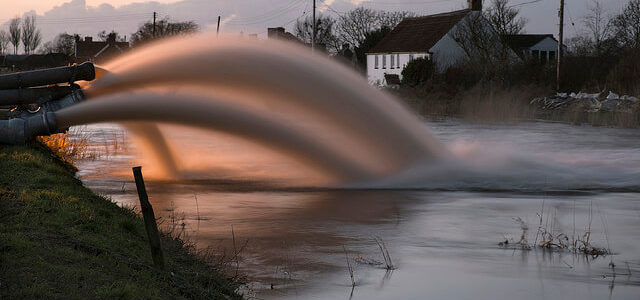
{"type": "Point", "coordinates": [428, 36]}
{"type": "Point", "coordinates": [543, 47]}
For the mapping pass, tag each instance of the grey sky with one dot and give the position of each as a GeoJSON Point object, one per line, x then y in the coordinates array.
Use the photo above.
{"type": "Point", "coordinates": [254, 16]}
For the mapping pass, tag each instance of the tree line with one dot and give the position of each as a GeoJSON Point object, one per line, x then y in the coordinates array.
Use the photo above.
{"type": "Point", "coordinates": [23, 31]}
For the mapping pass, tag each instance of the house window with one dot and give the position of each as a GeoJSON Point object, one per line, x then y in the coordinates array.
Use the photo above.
{"type": "Point", "coordinates": [552, 55]}
{"type": "Point", "coordinates": [384, 61]}
{"type": "Point", "coordinates": [393, 60]}
{"type": "Point", "coordinates": [410, 57]}
{"type": "Point", "coordinates": [398, 60]}
{"type": "Point", "coordinates": [543, 57]}
{"type": "Point", "coordinates": [535, 54]}
{"type": "Point", "coordinates": [376, 61]}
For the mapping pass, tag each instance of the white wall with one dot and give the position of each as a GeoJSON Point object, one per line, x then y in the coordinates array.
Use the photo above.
{"type": "Point", "coordinates": [548, 45]}
{"type": "Point", "coordinates": [375, 75]}
{"type": "Point", "coordinates": [447, 52]}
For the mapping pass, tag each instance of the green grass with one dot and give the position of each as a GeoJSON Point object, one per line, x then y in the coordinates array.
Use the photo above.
{"type": "Point", "coordinates": [59, 240]}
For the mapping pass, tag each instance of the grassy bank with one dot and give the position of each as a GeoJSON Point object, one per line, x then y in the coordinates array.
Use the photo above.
{"type": "Point", "coordinates": [59, 240]}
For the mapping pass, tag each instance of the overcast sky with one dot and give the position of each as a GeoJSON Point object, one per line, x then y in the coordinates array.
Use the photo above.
{"type": "Point", "coordinates": [88, 17]}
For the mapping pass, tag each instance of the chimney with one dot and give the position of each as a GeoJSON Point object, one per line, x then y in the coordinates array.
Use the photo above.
{"type": "Point", "coordinates": [475, 5]}
{"type": "Point", "coordinates": [111, 38]}
{"type": "Point", "coordinates": [275, 33]}
{"type": "Point", "coordinates": [88, 39]}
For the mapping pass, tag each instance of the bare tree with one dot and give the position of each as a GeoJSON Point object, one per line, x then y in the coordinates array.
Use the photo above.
{"type": "Point", "coordinates": [15, 33]}
{"type": "Point", "coordinates": [504, 18]}
{"type": "Point", "coordinates": [390, 19]}
{"type": "Point", "coordinates": [163, 28]}
{"type": "Point", "coordinates": [104, 36]}
{"type": "Point", "coordinates": [481, 43]}
{"type": "Point", "coordinates": [31, 37]}
{"type": "Point", "coordinates": [352, 28]}
{"type": "Point", "coordinates": [63, 43]}
{"type": "Point", "coordinates": [580, 45]}
{"type": "Point", "coordinates": [4, 42]}
{"type": "Point", "coordinates": [324, 31]}
{"type": "Point", "coordinates": [626, 26]}
{"type": "Point", "coordinates": [598, 25]}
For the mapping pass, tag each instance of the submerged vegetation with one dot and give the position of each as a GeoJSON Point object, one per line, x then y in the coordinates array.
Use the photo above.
{"type": "Point", "coordinates": [59, 240]}
{"type": "Point", "coordinates": [548, 238]}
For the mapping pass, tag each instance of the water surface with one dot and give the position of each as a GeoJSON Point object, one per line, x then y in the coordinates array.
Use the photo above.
{"type": "Point", "coordinates": [296, 241]}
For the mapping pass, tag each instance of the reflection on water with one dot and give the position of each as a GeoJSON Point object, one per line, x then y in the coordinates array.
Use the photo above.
{"type": "Point", "coordinates": [444, 244]}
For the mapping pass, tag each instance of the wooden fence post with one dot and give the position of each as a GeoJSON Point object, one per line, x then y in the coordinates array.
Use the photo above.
{"type": "Point", "coordinates": [149, 220]}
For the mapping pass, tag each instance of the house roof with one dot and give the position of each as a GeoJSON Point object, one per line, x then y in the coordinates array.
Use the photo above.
{"type": "Point", "coordinates": [523, 41]}
{"type": "Point", "coordinates": [419, 34]}
{"type": "Point", "coordinates": [89, 49]}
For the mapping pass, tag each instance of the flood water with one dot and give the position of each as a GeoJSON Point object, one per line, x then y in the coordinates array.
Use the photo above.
{"type": "Point", "coordinates": [296, 241]}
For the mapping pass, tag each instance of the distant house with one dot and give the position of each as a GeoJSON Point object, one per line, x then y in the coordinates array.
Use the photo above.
{"type": "Point", "coordinates": [98, 51]}
{"type": "Point", "coordinates": [279, 33]}
{"type": "Point", "coordinates": [431, 36]}
{"type": "Point", "coordinates": [543, 47]}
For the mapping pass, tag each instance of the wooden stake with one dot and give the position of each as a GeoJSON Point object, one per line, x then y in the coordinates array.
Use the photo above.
{"type": "Point", "coordinates": [149, 220]}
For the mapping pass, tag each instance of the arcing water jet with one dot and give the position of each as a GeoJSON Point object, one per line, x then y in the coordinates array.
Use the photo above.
{"type": "Point", "coordinates": [235, 75]}
{"type": "Point", "coordinates": [287, 74]}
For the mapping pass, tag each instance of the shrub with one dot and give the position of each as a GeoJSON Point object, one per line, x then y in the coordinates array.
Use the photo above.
{"type": "Point", "coordinates": [418, 71]}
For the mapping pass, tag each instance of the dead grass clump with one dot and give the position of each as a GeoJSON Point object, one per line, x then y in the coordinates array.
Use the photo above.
{"type": "Point", "coordinates": [385, 253]}
{"type": "Point", "coordinates": [69, 147]}
{"type": "Point", "coordinates": [548, 238]}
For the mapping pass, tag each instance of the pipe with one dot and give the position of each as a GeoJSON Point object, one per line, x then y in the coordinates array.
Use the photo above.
{"type": "Point", "coordinates": [19, 131]}
{"type": "Point", "coordinates": [84, 71]}
{"type": "Point", "coordinates": [26, 126]}
{"type": "Point", "coordinates": [34, 95]}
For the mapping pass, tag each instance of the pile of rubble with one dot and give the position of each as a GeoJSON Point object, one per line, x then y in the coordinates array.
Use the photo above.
{"type": "Point", "coordinates": [584, 102]}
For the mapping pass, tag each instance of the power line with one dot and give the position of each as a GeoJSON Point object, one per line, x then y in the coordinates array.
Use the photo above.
{"type": "Point", "coordinates": [304, 12]}
{"type": "Point", "coordinates": [525, 3]}
{"type": "Point", "coordinates": [573, 24]}
{"type": "Point", "coordinates": [403, 3]}
{"type": "Point", "coordinates": [266, 14]}
{"type": "Point", "coordinates": [281, 12]}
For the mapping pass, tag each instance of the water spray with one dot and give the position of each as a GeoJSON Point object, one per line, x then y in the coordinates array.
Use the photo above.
{"type": "Point", "coordinates": [34, 97]}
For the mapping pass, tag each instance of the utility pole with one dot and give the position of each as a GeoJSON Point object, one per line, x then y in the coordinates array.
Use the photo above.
{"type": "Point", "coordinates": [560, 47]}
{"type": "Point", "coordinates": [218, 29]}
{"type": "Point", "coordinates": [154, 24]}
{"type": "Point", "coordinates": [313, 34]}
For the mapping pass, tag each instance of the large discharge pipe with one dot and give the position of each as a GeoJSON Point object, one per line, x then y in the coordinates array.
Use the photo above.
{"type": "Point", "coordinates": [18, 89]}
{"type": "Point", "coordinates": [84, 71]}
{"type": "Point", "coordinates": [19, 130]}
{"type": "Point", "coordinates": [27, 126]}
{"type": "Point", "coordinates": [34, 95]}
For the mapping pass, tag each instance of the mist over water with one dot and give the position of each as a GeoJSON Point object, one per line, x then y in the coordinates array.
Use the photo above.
{"type": "Point", "coordinates": [314, 111]}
